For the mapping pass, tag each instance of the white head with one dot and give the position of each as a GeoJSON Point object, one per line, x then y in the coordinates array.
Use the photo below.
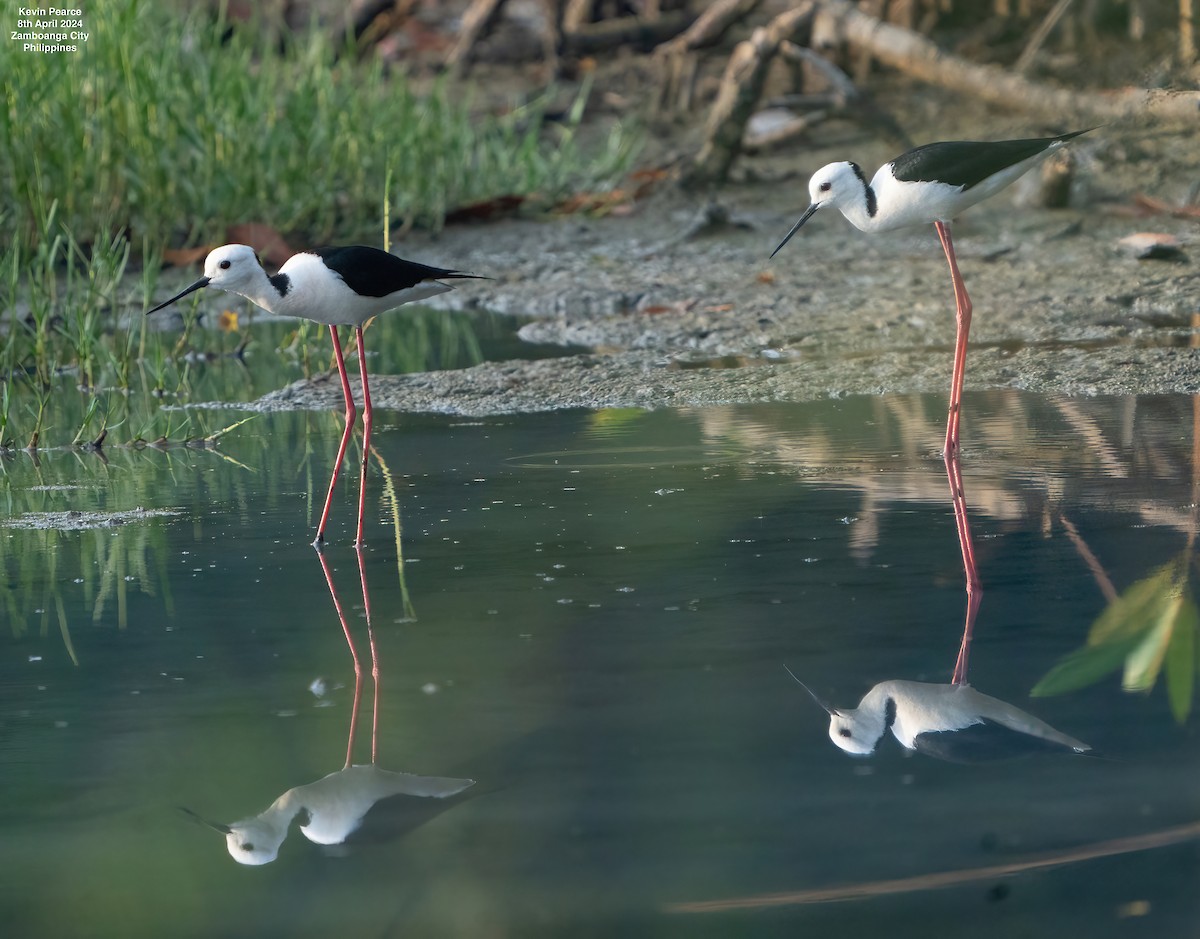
{"type": "Point", "coordinates": [834, 184]}
{"type": "Point", "coordinates": [230, 267]}
{"type": "Point", "coordinates": [252, 841]}
{"type": "Point", "coordinates": [856, 731]}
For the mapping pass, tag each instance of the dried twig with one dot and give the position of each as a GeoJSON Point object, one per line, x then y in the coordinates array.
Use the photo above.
{"type": "Point", "coordinates": [626, 30]}
{"type": "Point", "coordinates": [741, 88]}
{"type": "Point", "coordinates": [677, 61]}
{"type": "Point", "coordinates": [917, 56]}
{"type": "Point", "coordinates": [1034, 46]}
{"type": "Point", "coordinates": [476, 21]}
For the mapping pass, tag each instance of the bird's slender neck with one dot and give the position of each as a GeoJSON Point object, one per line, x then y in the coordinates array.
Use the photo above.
{"type": "Point", "coordinates": [265, 291]}
{"type": "Point", "coordinates": [879, 703]}
{"type": "Point", "coordinates": [861, 207]}
{"type": "Point", "coordinates": [281, 812]}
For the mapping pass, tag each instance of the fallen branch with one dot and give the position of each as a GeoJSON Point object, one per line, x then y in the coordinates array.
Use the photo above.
{"type": "Point", "coordinates": [741, 88]}
{"type": "Point", "coordinates": [676, 59]}
{"type": "Point", "coordinates": [710, 26]}
{"type": "Point", "coordinates": [917, 56]}
{"type": "Point", "coordinates": [626, 30]}
{"type": "Point", "coordinates": [850, 100]}
{"type": "Point", "coordinates": [371, 20]}
{"type": "Point", "coordinates": [476, 21]}
{"type": "Point", "coordinates": [1040, 35]}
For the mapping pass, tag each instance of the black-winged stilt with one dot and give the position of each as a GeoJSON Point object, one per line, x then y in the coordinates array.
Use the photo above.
{"type": "Point", "coordinates": [933, 183]}
{"type": "Point", "coordinates": [951, 722]}
{"type": "Point", "coordinates": [338, 286]}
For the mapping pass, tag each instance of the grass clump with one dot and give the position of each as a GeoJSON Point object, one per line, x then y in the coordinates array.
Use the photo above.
{"type": "Point", "coordinates": [174, 129]}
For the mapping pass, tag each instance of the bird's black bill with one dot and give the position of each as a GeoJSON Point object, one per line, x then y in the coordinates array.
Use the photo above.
{"type": "Point", "coordinates": [824, 707]}
{"type": "Point", "coordinates": [202, 282]}
{"type": "Point", "coordinates": [200, 819]}
{"type": "Point", "coordinates": [795, 228]}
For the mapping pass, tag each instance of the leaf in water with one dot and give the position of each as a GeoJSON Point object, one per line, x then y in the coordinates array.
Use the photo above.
{"type": "Point", "coordinates": [1181, 660]}
{"type": "Point", "coordinates": [610, 420]}
{"type": "Point", "coordinates": [1154, 622]}
{"type": "Point", "coordinates": [1145, 659]}
{"type": "Point", "coordinates": [1127, 617]}
{"type": "Point", "coordinates": [1084, 667]}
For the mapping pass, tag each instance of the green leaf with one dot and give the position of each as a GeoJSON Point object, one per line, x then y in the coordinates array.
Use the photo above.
{"type": "Point", "coordinates": [608, 420]}
{"type": "Point", "coordinates": [1143, 662]}
{"type": "Point", "coordinates": [1085, 666]}
{"type": "Point", "coordinates": [1181, 660]}
{"type": "Point", "coordinates": [1119, 636]}
{"type": "Point", "coordinates": [1130, 612]}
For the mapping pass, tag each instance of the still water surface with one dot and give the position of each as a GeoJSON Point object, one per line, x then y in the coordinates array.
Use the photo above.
{"type": "Point", "coordinates": [591, 622]}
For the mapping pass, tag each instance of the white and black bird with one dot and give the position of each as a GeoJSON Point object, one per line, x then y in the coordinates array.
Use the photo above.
{"type": "Point", "coordinates": [330, 809]}
{"type": "Point", "coordinates": [950, 722]}
{"type": "Point", "coordinates": [930, 184]}
{"type": "Point", "coordinates": [338, 286]}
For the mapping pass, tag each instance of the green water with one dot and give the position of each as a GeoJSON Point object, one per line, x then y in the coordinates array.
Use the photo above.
{"type": "Point", "coordinates": [591, 622]}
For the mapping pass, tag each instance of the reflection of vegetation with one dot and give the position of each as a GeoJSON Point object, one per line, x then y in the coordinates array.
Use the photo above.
{"type": "Point", "coordinates": [1152, 625]}
{"type": "Point", "coordinates": [136, 373]}
{"type": "Point", "coordinates": [392, 502]}
{"type": "Point", "coordinates": [38, 565]}
{"type": "Point", "coordinates": [107, 552]}
{"type": "Point", "coordinates": [98, 560]}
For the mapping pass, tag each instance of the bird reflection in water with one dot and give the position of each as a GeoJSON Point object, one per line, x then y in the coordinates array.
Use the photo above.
{"type": "Point", "coordinates": [949, 721]}
{"type": "Point", "coordinates": [334, 807]}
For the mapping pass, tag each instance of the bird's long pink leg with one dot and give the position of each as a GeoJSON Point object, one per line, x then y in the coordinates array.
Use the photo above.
{"type": "Point", "coordinates": [962, 314]}
{"type": "Point", "coordinates": [362, 576]}
{"type": "Point", "coordinates": [974, 587]}
{"type": "Point", "coordinates": [351, 414]}
{"type": "Point", "coordinates": [950, 453]}
{"type": "Point", "coordinates": [358, 672]}
{"type": "Point", "coordinates": [366, 446]}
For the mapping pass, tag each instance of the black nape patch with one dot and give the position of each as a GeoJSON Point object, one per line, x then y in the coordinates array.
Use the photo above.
{"type": "Point", "coordinates": [872, 205]}
{"type": "Point", "coordinates": [281, 282]}
{"type": "Point", "coordinates": [889, 713]}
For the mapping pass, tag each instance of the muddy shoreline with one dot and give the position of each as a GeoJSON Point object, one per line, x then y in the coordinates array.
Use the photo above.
{"type": "Point", "coordinates": [679, 305]}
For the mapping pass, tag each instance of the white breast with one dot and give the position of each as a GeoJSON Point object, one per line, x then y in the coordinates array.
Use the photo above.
{"type": "Point", "coordinates": [316, 293]}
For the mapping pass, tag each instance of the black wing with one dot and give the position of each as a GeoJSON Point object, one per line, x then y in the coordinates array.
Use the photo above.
{"type": "Point", "coordinates": [967, 163]}
{"type": "Point", "coordinates": [370, 272]}
{"type": "Point", "coordinates": [985, 742]}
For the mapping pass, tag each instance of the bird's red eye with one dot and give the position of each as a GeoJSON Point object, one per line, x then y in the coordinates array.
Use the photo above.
{"type": "Point", "coordinates": [825, 187]}
{"type": "Point", "coordinates": [224, 265]}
